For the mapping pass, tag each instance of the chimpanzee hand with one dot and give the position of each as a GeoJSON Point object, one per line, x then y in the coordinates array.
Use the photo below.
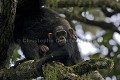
{"type": "Point", "coordinates": [44, 49]}
{"type": "Point", "coordinates": [39, 70]}
{"type": "Point", "coordinates": [49, 58]}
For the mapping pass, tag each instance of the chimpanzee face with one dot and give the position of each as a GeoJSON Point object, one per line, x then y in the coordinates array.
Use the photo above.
{"type": "Point", "coordinates": [60, 37]}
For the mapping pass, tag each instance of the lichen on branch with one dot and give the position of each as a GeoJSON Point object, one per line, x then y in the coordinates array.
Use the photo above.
{"type": "Point", "coordinates": [56, 70]}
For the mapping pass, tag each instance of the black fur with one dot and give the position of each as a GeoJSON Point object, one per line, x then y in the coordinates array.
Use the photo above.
{"type": "Point", "coordinates": [31, 30]}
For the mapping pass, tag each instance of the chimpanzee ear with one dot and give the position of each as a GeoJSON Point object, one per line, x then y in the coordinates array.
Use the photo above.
{"type": "Point", "coordinates": [72, 34]}
{"type": "Point", "coordinates": [50, 35]}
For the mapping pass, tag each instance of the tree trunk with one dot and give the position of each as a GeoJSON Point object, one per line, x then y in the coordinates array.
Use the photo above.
{"type": "Point", "coordinates": [7, 15]}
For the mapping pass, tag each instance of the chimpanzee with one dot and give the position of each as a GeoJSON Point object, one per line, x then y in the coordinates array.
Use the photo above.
{"type": "Point", "coordinates": [63, 46]}
{"type": "Point", "coordinates": [31, 31]}
{"type": "Point", "coordinates": [43, 34]}
{"type": "Point", "coordinates": [61, 40]}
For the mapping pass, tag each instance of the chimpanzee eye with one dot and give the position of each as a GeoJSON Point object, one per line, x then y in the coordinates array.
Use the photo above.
{"type": "Point", "coordinates": [61, 33]}
{"type": "Point", "coordinates": [64, 33]}
{"type": "Point", "coordinates": [57, 34]}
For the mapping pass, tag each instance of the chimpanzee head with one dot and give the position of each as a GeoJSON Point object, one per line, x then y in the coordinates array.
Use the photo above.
{"type": "Point", "coordinates": [59, 35]}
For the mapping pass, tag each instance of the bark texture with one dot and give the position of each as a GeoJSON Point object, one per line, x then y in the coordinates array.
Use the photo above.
{"type": "Point", "coordinates": [7, 15]}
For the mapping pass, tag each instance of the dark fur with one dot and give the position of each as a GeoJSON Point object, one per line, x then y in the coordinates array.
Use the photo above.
{"type": "Point", "coordinates": [70, 54]}
{"type": "Point", "coordinates": [31, 30]}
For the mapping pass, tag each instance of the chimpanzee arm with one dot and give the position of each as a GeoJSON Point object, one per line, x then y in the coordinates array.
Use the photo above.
{"type": "Point", "coordinates": [55, 55]}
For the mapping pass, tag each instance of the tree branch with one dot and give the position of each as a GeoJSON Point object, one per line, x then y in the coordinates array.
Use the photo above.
{"type": "Point", "coordinates": [101, 24]}
{"type": "Point", "coordinates": [108, 14]}
{"type": "Point", "coordinates": [76, 15]}
{"type": "Point", "coordinates": [55, 70]}
{"type": "Point", "coordinates": [85, 3]}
